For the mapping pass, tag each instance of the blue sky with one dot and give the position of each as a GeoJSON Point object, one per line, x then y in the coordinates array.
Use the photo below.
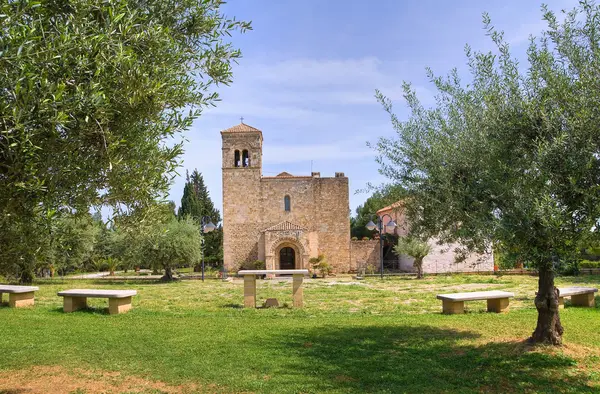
{"type": "Point", "coordinates": [310, 69]}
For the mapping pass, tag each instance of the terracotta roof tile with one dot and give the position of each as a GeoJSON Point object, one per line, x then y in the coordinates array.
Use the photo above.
{"type": "Point", "coordinates": [241, 128]}
{"type": "Point", "coordinates": [284, 174]}
{"type": "Point", "coordinates": [285, 225]}
{"type": "Point", "coordinates": [394, 206]}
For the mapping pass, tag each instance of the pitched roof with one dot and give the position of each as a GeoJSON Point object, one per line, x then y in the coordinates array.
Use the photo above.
{"type": "Point", "coordinates": [394, 206]}
{"type": "Point", "coordinates": [285, 225]}
{"type": "Point", "coordinates": [284, 174]}
{"type": "Point", "coordinates": [241, 128]}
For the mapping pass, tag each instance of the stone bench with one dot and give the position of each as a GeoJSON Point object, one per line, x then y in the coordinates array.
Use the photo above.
{"type": "Point", "coordinates": [250, 285]}
{"type": "Point", "coordinates": [580, 296]}
{"type": "Point", "coordinates": [497, 301]}
{"type": "Point", "coordinates": [119, 301]}
{"type": "Point", "coordinates": [19, 296]}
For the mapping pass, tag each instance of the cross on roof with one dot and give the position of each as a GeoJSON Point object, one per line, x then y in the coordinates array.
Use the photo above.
{"type": "Point", "coordinates": [242, 119]}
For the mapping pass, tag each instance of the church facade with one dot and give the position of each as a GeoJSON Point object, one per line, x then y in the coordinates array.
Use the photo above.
{"type": "Point", "coordinates": [282, 220]}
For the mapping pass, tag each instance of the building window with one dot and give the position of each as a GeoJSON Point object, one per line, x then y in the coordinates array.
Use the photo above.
{"type": "Point", "coordinates": [287, 203]}
{"type": "Point", "coordinates": [236, 159]}
{"type": "Point", "coordinates": [245, 158]}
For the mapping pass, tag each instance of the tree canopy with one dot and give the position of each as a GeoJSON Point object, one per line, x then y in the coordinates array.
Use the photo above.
{"type": "Point", "coordinates": [92, 97]}
{"type": "Point", "coordinates": [513, 155]}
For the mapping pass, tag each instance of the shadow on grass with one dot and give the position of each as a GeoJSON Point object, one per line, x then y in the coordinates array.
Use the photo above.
{"type": "Point", "coordinates": [88, 310]}
{"type": "Point", "coordinates": [421, 359]}
{"type": "Point", "coordinates": [232, 305]}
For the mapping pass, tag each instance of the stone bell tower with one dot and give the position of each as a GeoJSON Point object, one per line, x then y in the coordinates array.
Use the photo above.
{"type": "Point", "coordinates": [242, 170]}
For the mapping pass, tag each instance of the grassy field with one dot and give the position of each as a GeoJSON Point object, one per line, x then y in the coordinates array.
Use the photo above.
{"type": "Point", "coordinates": [369, 336]}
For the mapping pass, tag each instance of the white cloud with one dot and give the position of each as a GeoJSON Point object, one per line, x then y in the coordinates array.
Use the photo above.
{"type": "Point", "coordinates": [354, 149]}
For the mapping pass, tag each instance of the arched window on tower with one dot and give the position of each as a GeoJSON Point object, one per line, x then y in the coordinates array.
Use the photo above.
{"type": "Point", "coordinates": [245, 158]}
{"type": "Point", "coordinates": [236, 159]}
{"type": "Point", "coordinates": [287, 203]}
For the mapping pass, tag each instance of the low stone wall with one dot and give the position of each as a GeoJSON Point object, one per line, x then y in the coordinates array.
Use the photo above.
{"type": "Point", "coordinates": [364, 253]}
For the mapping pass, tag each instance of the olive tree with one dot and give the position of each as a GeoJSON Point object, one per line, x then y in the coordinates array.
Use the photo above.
{"type": "Point", "coordinates": [414, 248]}
{"type": "Point", "coordinates": [170, 245]}
{"type": "Point", "coordinates": [93, 99]}
{"type": "Point", "coordinates": [512, 156]}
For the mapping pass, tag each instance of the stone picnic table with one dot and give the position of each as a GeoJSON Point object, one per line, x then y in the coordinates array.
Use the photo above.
{"type": "Point", "coordinates": [19, 296]}
{"type": "Point", "coordinates": [119, 301]}
{"type": "Point", "coordinates": [250, 285]}
{"type": "Point", "coordinates": [497, 301]}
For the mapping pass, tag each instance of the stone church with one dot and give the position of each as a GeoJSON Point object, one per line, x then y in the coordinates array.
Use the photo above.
{"type": "Point", "coordinates": [283, 220]}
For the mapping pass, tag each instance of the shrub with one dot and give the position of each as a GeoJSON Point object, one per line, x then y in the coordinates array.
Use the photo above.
{"type": "Point", "coordinates": [371, 269]}
{"type": "Point", "coordinates": [355, 238]}
{"type": "Point", "coordinates": [589, 264]}
{"type": "Point", "coordinates": [320, 264]}
{"type": "Point", "coordinates": [252, 265]}
{"type": "Point", "coordinates": [365, 238]}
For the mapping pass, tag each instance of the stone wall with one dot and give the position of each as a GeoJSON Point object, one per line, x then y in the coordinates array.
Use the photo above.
{"type": "Point", "coordinates": [441, 259]}
{"type": "Point", "coordinates": [363, 253]}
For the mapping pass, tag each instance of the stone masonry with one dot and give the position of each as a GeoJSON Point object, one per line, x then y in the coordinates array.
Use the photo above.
{"type": "Point", "coordinates": [284, 219]}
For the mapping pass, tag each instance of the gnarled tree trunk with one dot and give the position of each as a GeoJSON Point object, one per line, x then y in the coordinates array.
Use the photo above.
{"type": "Point", "coordinates": [168, 276]}
{"type": "Point", "coordinates": [548, 330]}
{"type": "Point", "coordinates": [418, 264]}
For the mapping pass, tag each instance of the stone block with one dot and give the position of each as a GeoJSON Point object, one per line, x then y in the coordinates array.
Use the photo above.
{"type": "Point", "coordinates": [71, 304]}
{"type": "Point", "coordinates": [297, 291]}
{"type": "Point", "coordinates": [271, 302]}
{"type": "Point", "coordinates": [119, 305]}
{"type": "Point", "coordinates": [249, 291]}
{"type": "Point", "coordinates": [453, 307]}
{"type": "Point", "coordinates": [20, 300]}
{"type": "Point", "coordinates": [498, 305]}
{"type": "Point", "coordinates": [583, 300]}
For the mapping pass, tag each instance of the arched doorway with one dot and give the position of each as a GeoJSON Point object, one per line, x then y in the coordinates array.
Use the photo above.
{"type": "Point", "coordinates": [287, 258]}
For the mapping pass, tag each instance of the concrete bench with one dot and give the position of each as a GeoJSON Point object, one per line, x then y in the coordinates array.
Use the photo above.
{"type": "Point", "coordinates": [119, 301]}
{"type": "Point", "coordinates": [580, 296]}
{"type": "Point", "coordinates": [19, 296]}
{"type": "Point", "coordinates": [497, 301]}
{"type": "Point", "coordinates": [250, 285]}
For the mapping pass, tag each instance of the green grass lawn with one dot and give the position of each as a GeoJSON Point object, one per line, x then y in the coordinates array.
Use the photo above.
{"type": "Point", "coordinates": [369, 336]}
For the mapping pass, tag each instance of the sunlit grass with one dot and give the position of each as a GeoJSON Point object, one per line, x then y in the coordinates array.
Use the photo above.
{"type": "Point", "coordinates": [352, 336]}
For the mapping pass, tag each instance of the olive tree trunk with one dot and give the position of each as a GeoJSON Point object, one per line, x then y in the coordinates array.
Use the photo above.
{"type": "Point", "coordinates": [168, 276]}
{"type": "Point", "coordinates": [418, 264]}
{"type": "Point", "coordinates": [548, 330]}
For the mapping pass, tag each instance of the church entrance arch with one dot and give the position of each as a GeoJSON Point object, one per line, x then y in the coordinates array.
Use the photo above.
{"type": "Point", "coordinates": [288, 254]}
{"type": "Point", "coordinates": [287, 258]}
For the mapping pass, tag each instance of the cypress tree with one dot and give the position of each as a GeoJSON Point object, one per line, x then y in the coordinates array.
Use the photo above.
{"type": "Point", "coordinates": [196, 203]}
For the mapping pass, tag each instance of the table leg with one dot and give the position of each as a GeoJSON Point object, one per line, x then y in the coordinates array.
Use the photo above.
{"type": "Point", "coordinates": [72, 304]}
{"type": "Point", "coordinates": [20, 300]}
{"type": "Point", "coordinates": [583, 300]}
{"type": "Point", "coordinates": [119, 305]}
{"type": "Point", "coordinates": [297, 291]}
{"type": "Point", "coordinates": [498, 305]}
{"type": "Point", "coordinates": [561, 302]}
{"type": "Point", "coordinates": [249, 291]}
{"type": "Point", "coordinates": [453, 307]}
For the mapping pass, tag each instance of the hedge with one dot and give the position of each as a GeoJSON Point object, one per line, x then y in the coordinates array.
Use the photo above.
{"type": "Point", "coordinates": [589, 264]}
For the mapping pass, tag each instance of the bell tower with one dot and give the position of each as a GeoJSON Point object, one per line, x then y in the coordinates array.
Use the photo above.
{"type": "Point", "coordinates": [242, 171]}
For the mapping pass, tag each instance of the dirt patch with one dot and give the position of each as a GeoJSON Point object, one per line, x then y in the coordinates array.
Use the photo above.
{"type": "Point", "coordinates": [471, 286]}
{"type": "Point", "coordinates": [56, 379]}
{"type": "Point", "coordinates": [410, 301]}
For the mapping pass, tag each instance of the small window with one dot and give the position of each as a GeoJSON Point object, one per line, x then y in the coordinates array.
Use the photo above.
{"type": "Point", "coordinates": [236, 159]}
{"type": "Point", "coordinates": [287, 203]}
{"type": "Point", "coordinates": [245, 158]}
